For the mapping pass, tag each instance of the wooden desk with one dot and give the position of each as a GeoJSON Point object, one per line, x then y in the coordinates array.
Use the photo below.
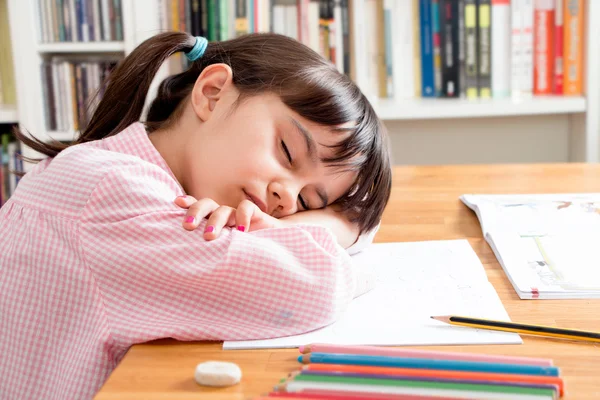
{"type": "Point", "coordinates": [424, 206]}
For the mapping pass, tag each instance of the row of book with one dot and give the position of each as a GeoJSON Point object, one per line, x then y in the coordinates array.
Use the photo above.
{"type": "Point", "coordinates": [72, 89]}
{"type": "Point", "coordinates": [322, 25]}
{"type": "Point", "coordinates": [80, 20]}
{"type": "Point", "coordinates": [10, 162]}
{"type": "Point", "coordinates": [478, 48]}
{"type": "Point", "coordinates": [368, 372]}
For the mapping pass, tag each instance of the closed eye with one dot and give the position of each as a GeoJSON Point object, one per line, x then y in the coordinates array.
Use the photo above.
{"type": "Point", "coordinates": [286, 151]}
{"type": "Point", "coordinates": [303, 203]}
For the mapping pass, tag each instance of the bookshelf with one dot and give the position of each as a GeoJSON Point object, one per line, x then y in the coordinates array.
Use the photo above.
{"type": "Point", "coordinates": [422, 131]}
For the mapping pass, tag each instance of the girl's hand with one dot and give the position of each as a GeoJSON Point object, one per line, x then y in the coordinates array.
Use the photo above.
{"type": "Point", "coordinates": [246, 217]}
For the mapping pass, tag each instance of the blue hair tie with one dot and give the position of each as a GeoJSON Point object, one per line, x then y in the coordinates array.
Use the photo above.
{"type": "Point", "coordinates": [198, 50]}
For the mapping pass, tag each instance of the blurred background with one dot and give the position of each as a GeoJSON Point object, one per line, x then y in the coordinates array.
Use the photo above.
{"type": "Point", "coordinates": [455, 81]}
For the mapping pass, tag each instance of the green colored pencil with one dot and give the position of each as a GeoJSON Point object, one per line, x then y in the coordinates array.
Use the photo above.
{"type": "Point", "coordinates": [450, 386]}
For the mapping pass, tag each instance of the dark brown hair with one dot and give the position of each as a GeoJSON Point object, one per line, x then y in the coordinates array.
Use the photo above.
{"type": "Point", "coordinates": [261, 63]}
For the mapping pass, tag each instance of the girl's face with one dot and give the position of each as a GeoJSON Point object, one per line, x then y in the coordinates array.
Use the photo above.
{"type": "Point", "coordinates": [258, 149]}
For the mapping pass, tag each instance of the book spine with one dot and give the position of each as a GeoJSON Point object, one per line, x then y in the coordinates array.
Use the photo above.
{"type": "Point", "coordinates": [212, 23]}
{"type": "Point", "coordinates": [471, 59]}
{"type": "Point", "coordinates": [449, 48]}
{"type": "Point", "coordinates": [223, 20]}
{"type": "Point", "coordinates": [89, 8]}
{"type": "Point", "coordinates": [427, 71]}
{"type": "Point", "coordinates": [80, 96]}
{"type": "Point", "coordinates": [73, 21]}
{"type": "Point", "coordinates": [558, 47]}
{"type": "Point", "coordinates": [97, 20]}
{"type": "Point", "coordinates": [484, 19]}
{"type": "Point", "coordinates": [118, 20]}
{"type": "Point", "coordinates": [501, 52]}
{"type": "Point", "coordinates": [388, 54]}
{"type": "Point", "coordinates": [543, 70]}
{"type": "Point", "coordinates": [416, 49]}
{"type": "Point", "coordinates": [437, 51]}
{"type": "Point", "coordinates": [345, 36]}
{"type": "Point", "coordinates": [331, 33]}
{"type": "Point", "coordinates": [573, 47]}
{"type": "Point", "coordinates": [303, 22]}
{"type": "Point", "coordinates": [241, 18]}
{"type": "Point", "coordinates": [462, 72]}
{"type": "Point", "coordinates": [66, 15]}
{"type": "Point", "coordinates": [516, 48]}
{"type": "Point", "coordinates": [60, 20]}
{"type": "Point", "coordinates": [527, 48]}
{"type": "Point", "coordinates": [83, 18]}
{"type": "Point", "coordinates": [106, 34]}
{"type": "Point", "coordinates": [403, 72]}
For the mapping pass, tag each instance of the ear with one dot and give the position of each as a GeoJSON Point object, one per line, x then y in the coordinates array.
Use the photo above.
{"type": "Point", "coordinates": [213, 84]}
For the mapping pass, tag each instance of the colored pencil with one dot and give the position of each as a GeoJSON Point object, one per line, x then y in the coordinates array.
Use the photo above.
{"type": "Point", "coordinates": [412, 353]}
{"type": "Point", "coordinates": [526, 329]}
{"type": "Point", "coordinates": [433, 379]}
{"type": "Point", "coordinates": [441, 374]}
{"type": "Point", "coordinates": [301, 383]}
{"type": "Point", "coordinates": [339, 395]}
{"type": "Point", "coordinates": [422, 363]}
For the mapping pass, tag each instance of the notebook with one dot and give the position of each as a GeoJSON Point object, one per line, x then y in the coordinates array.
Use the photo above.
{"type": "Point", "coordinates": [414, 281]}
{"type": "Point", "coordinates": [548, 245]}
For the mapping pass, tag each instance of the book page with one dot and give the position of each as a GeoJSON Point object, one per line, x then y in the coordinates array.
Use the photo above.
{"type": "Point", "coordinates": [414, 282]}
{"type": "Point", "coordinates": [568, 262]}
{"type": "Point", "coordinates": [537, 214]}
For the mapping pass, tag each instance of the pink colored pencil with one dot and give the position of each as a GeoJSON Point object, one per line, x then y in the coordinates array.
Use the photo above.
{"type": "Point", "coordinates": [412, 353]}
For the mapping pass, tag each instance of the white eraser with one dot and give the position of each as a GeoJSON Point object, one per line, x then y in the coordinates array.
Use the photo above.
{"type": "Point", "coordinates": [217, 373]}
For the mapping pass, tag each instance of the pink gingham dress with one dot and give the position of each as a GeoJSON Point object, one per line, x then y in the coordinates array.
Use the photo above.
{"type": "Point", "coordinates": [93, 259]}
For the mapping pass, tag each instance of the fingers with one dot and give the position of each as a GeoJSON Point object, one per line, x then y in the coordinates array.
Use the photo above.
{"type": "Point", "coordinates": [197, 212]}
{"type": "Point", "coordinates": [222, 216]}
{"type": "Point", "coordinates": [185, 201]}
{"type": "Point", "coordinates": [243, 215]}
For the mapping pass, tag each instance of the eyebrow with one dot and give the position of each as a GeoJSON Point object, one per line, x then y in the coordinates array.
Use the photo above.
{"type": "Point", "coordinates": [311, 148]}
{"type": "Point", "coordinates": [310, 143]}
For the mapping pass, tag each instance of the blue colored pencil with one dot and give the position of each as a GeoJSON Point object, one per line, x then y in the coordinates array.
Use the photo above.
{"type": "Point", "coordinates": [424, 363]}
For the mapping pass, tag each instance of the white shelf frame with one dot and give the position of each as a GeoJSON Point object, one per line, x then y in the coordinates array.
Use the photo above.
{"type": "Point", "coordinates": [8, 114]}
{"type": "Point", "coordinates": [82, 47]}
{"type": "Point", "coordinates": [423, 108]}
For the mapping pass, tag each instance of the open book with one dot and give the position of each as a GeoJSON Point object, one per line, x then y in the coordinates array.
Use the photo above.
{"type": "Point", "coordinates": [548, 245]}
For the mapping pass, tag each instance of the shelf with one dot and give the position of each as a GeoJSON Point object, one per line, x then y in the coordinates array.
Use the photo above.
{"type": "Point", "coordinates": [82, 47]}
{"type": "Point", "coordinates": [62, 136]}
{"type": "Point", "coordinates": [8, 114]}
{"type": "Point", "coordinates": [409, 109]}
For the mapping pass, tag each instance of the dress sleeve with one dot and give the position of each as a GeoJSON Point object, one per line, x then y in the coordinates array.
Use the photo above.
{"type": "Point", "coordinates": [158, 280]}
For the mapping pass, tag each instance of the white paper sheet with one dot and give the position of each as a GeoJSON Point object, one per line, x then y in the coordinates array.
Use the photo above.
{"type": "Point", "coordinates": [414, 282]}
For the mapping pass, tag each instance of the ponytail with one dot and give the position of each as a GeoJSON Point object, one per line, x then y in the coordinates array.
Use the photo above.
{"type": "Point", "coordinates": [125, 94]}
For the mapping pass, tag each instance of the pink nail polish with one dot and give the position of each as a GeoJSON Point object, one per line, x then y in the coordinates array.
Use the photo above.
{"type": "Point", "coordinates": [209, 229]}
{"type": "Point", "coordinates": [190, 219]}
{"type": "Point", "coordinates": [241, 228]}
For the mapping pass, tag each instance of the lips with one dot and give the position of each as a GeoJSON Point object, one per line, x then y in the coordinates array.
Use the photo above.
{"type": "Point", "coordinates": [259, 203]}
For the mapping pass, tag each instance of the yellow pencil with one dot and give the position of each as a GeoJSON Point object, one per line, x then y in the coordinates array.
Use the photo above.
{"type": "Point", "coordinates": [525, 329]}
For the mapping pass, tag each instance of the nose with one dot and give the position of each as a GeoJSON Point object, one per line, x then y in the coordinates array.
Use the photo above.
{"type": "Point", "coordinates": [282, 199]}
